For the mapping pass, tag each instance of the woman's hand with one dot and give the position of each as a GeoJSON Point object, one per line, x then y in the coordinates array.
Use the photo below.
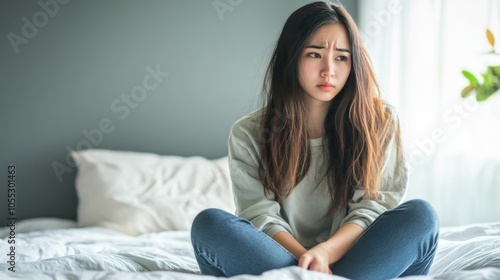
{"type": "Point", "coordinates": [316, 259]}
{"type": "Point", "coordinates": [321, 256]}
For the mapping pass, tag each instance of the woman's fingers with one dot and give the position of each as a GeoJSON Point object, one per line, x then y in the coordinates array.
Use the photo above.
{"type": "Point", "coordinates": [320, 268]}
{"type": "Point", "coordinates": [315, 259]}
{"type": "Point", "coordinates": [305, 261]}
{"type": "Point", "coordinates": [310, 263]}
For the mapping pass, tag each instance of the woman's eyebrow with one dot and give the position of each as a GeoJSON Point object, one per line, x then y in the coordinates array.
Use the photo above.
{"type": "Point", "coordinates": [315, 47]}
{"type": "Point", "coordinates": [343, 50]}
{"type": "Point", "coordinates": [322, 47]}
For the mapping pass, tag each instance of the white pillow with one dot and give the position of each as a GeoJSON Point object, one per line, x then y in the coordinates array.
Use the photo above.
{"type": "Point", "coordinates": [137, 193]}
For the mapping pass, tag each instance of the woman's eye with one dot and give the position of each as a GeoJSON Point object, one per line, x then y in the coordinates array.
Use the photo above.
{"type": "Point", "coordinates": [342, 58]}
{"type": "Point", "coordinates": [313, 55]}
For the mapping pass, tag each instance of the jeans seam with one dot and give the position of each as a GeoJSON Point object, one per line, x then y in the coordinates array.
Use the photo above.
{"type": "Point", "coordinates": [428, 254]}
{"type": "Point", "coordinates": [205, 257]}
{"type": "Point", "coordinates": [280, 246]}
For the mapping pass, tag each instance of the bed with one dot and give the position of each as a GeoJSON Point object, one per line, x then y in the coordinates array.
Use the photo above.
{"type": "Point", "coordinates": [134, 216]}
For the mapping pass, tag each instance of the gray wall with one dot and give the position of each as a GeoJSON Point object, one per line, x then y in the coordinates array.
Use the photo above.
{"type": "Point", "coordinates": [69, 76]}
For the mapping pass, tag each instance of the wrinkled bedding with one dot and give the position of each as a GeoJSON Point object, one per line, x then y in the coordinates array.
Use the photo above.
{"type": "Point", "coordinates": [59, 250]}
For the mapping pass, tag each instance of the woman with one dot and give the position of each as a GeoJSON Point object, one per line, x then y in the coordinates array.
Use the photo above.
{"type": "Point", "coordinates": [319, 171]}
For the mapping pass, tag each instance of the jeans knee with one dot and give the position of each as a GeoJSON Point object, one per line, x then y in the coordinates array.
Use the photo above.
{"type": "Point", "coordinates": [422, 212]}
{"type": "Point", "coordinates": [204, 222]}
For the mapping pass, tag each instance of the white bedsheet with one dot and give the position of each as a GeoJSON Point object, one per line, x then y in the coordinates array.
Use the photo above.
{"type": "Point", "coordinates": [97, 253]}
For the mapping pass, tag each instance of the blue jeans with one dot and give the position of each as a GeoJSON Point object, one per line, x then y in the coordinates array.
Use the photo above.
{"type": "Point", "coordinates": [400, 242]}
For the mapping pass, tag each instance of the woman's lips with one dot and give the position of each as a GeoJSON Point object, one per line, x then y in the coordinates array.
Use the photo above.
{"type": "Point", "coordinates": [325, 87]}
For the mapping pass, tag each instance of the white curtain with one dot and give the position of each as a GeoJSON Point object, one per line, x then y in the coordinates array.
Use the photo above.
{"type": "Point", "coordinates": [419, 48]}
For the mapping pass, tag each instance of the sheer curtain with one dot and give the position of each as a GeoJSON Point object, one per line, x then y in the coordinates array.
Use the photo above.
{"type": "Point", "coordinates": [419, 48]}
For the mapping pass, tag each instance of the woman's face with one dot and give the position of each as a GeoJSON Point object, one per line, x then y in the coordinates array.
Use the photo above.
{"type": "Point", "coordinates": [325, 63]}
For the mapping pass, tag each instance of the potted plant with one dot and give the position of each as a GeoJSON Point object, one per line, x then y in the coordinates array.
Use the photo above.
{"type": "Point", "coordinates": [491, 78]}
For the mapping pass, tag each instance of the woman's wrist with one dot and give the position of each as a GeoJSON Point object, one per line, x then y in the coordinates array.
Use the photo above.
{"type": "Point", "coordinates": [335, 251]}
{"type": "Point", "coordinates": [290, 243]}
{"type": "Point", "coordinates": [342, 241]}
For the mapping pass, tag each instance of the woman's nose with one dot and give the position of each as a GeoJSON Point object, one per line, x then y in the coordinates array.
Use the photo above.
{"type": "Point", "coordinates": [328, 70]}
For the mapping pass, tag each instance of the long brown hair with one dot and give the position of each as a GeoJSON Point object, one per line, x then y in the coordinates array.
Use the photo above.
{"type": "Point", "coordinates": [358, 126]}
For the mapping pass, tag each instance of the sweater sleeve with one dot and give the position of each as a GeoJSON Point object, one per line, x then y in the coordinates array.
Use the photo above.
{"type": "Point", "coordinates": [251, 203]}
{"type": "Point", "coordinates": [394, 182]}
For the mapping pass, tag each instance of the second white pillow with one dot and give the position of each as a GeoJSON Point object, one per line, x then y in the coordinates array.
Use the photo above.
{"type": "Point", "coordinates": [137, 193]}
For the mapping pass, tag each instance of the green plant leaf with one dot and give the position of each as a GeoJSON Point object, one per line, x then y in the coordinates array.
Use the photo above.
{"type": "Point", "coordinates": [472, 79]}
{"type": "Point", "coordinates": [467, 90]}
{"type": "Point", "coordinates": [490, 37]}
{"type": "Point", "coordinates": [488, 78]}
{"type": "Point", "coordinates": [495, 70]}
{"type": "Point", "coordinates": [481, 94]}
{"type": "Point", "coordinates": [484, 92]}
